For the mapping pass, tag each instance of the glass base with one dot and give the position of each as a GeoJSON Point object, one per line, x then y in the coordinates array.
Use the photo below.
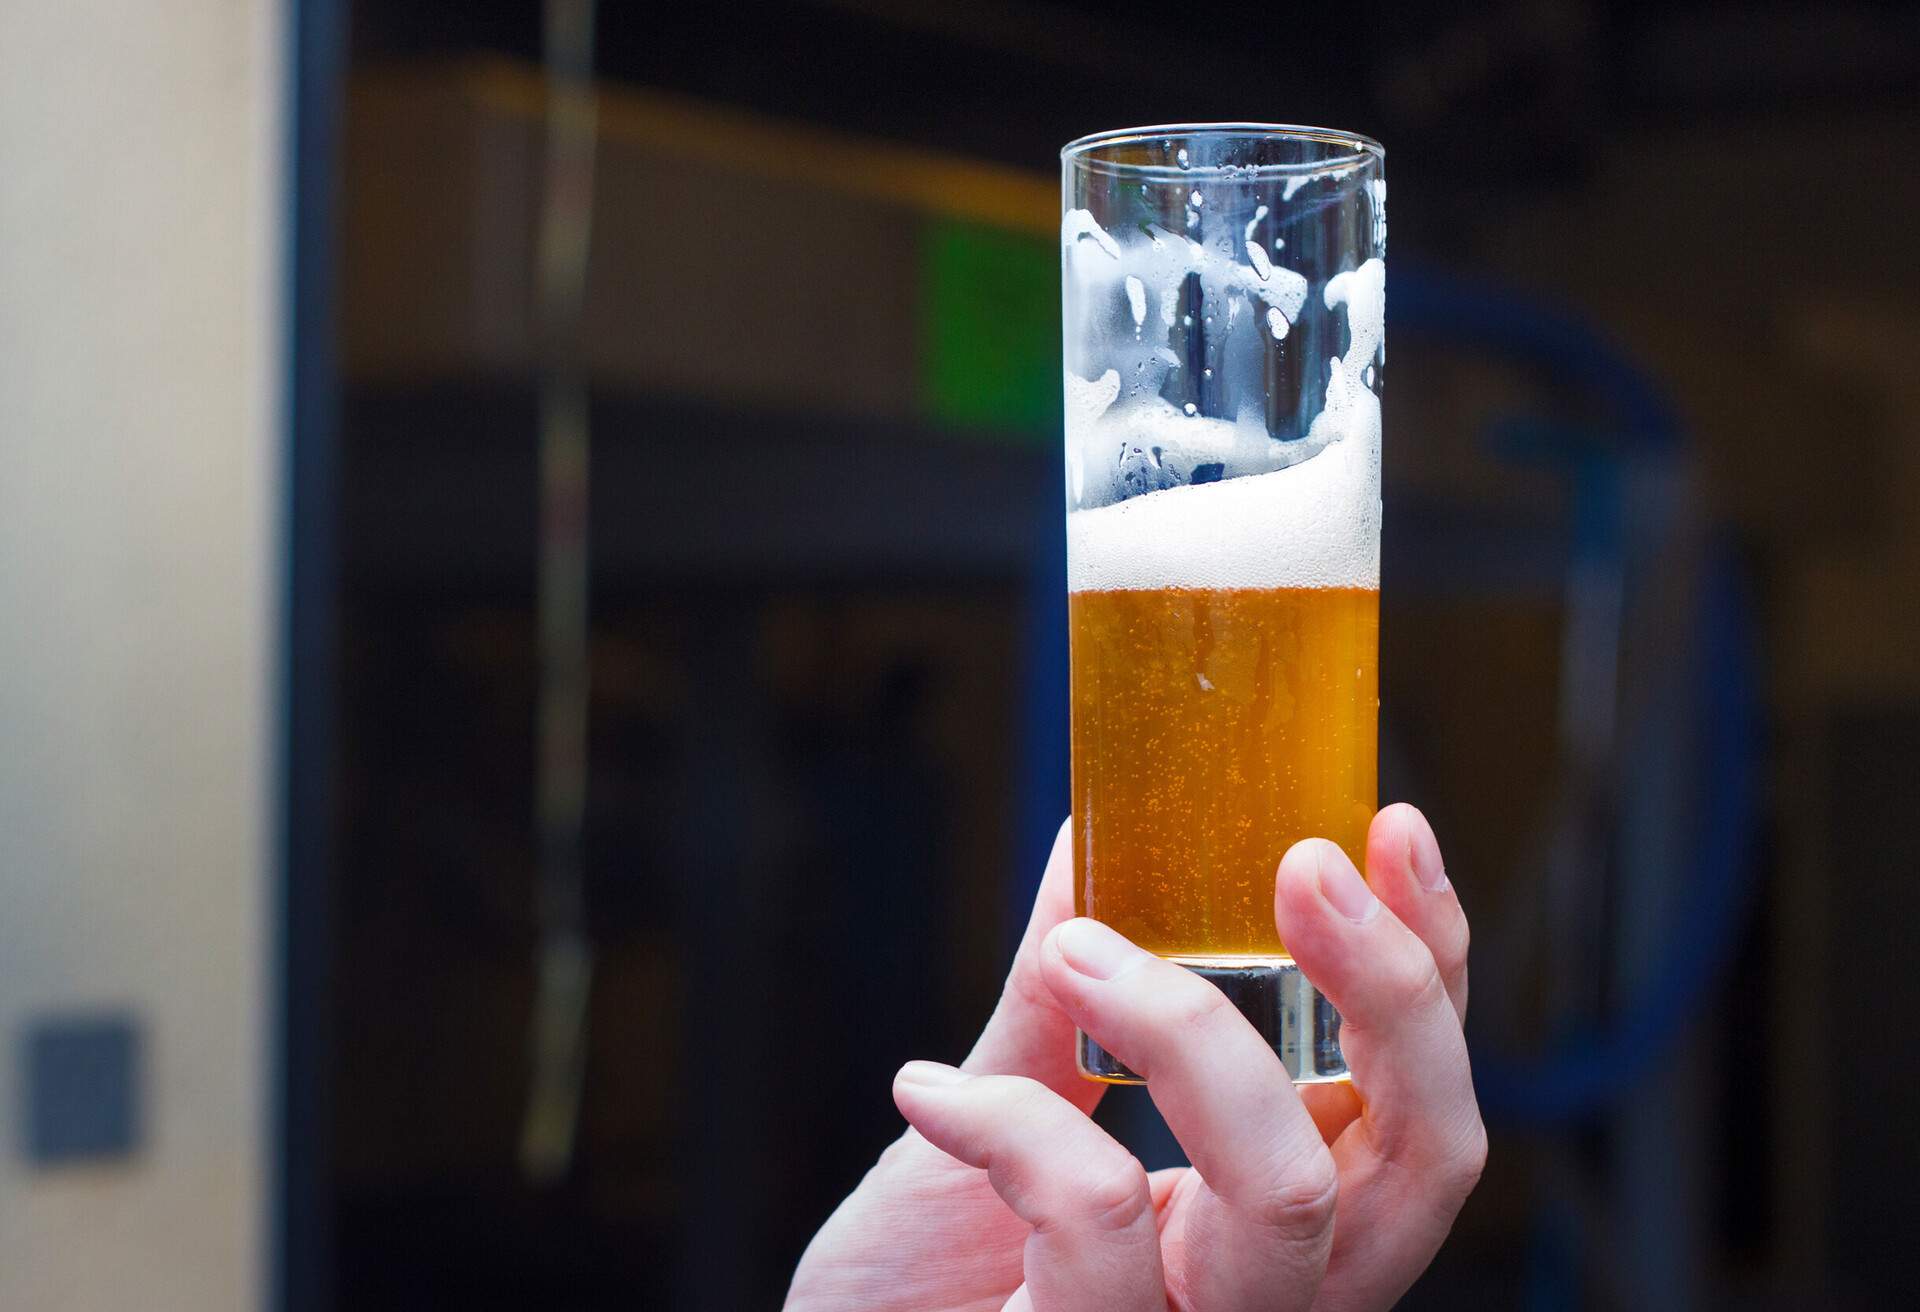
{"type": "Point", "coordinates": [1290, 1013]}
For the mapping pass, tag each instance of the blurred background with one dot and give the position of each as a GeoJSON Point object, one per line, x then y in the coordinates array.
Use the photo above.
{"type": "Point", "coordinates": [532, 665]}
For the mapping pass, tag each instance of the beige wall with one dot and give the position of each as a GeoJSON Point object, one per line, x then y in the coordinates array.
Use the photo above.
{"type": "Point", "coordinates": [140, 351]}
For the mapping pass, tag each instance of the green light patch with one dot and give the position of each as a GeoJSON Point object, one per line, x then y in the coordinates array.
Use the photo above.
{"type": "Point", "coordinates": [990, 330]}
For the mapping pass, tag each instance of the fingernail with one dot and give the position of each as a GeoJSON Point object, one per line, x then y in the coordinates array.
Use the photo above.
{"type": "Point", "coordinates": [1424, 852]}
{"type": "Point", "coordinates": [932, 1074]}
{"type": "Point", "coordinates": [1094, 950]}
{"type": "Point", "coordinates": [1341, 885]}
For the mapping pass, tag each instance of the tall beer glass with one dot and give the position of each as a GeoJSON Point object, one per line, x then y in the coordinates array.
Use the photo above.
{"type": "Point", "coordinates": [1224, 292]}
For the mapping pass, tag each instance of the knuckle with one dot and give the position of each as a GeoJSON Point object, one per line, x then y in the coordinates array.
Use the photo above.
{"type": "Point", "coordinates": [1417, 987]}
{"type": "Point", "coordinates": [1302, 1207]}
{"type": "Point", "coordinates": [1198, 1005]}
{"type": "Point", "coordinates": [1470, 1161]}
{"type": "Point", "coordinates": [1021, 1095]}
{"type": "Point", "coordinates": [1115, 1196]}
{"type": "Point", "coordinates": [1452, 1178]}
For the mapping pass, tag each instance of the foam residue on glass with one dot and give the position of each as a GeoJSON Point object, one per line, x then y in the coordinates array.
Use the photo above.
{"type": "Point", "coordinates": [1166, 493]}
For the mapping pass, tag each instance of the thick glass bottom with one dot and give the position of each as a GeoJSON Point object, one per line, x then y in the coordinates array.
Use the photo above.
{"type": "Point", "coordinates": [1290, 1013]}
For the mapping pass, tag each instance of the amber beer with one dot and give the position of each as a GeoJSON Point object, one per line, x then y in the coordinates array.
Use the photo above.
{"type": "Point", "coordinates": [1212, 729]}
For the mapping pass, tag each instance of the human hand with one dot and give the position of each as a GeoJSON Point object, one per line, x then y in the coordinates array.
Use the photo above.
{"type": "Point", "coordinates": [1004, 1195]}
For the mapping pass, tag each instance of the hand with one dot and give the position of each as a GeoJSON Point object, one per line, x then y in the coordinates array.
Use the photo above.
{"type": "Point", "coordinates": [1005, 1195]}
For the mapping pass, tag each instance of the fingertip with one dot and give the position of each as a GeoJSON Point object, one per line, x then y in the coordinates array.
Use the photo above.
{"type": "Point", "coordinates": [919, 1082]}
{"type": "Point", "coordinates": [906, 1099]}
{"type": "Point", "coordinates": [1049, 956]}
{"type": "Point", "coordinates": [1423, 845]}
{"type": "Point", "coordinates": [1403, 813]}
{"type": "Point", "coordinates": [1401, 847]}
{"type": "Point", "coordinates": [1060, 978]}
{"type": "Point", "coordinates": [1320, 905]}
{"type": "Point", "coordinates": [930, 1075]}
{"type": "Point", "coordinates": [1388, 834]}
{"type": "Point", "coordinates": [1296, 884]}
{"type": "Point", "coordinates": [1300, 867]}
{"type": "Point", "coordinates": [1390, 843]}
{"type": "Point", "coordinates": [1077, 957]}
{"type": "Point", "coordinates": [1296, 893]}
{"type": "Point", "coordinates": [1299, 888]}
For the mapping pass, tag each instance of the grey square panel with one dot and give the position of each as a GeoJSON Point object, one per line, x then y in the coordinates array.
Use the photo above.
{"type": "Point", "coordinates": [81, 1086]}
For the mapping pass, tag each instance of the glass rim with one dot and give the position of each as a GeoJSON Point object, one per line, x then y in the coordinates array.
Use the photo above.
{"type": "Point", "coordinates": [1358, 149]}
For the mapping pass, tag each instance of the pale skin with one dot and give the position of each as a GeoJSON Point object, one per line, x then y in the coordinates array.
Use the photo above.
{"type": "Point", "coordinates": [1004, 1195]}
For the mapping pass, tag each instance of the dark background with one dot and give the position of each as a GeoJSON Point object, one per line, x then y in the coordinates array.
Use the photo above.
{"type": "Point", "coordinates": [1648, 661]}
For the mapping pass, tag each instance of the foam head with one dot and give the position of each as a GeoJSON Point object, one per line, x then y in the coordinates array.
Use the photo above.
{"type": "Point", "coordinates": [1162, 496]}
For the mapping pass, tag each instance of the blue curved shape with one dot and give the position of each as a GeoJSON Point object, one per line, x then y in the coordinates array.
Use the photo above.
{"type": "Point", "coordinates": [1592, 1067]}
{"type": "Point", "coordinates": [1518, 328]}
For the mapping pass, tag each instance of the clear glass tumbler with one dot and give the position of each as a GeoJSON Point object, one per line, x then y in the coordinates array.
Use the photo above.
{"type": "Point", "coordinates": [1223, 287]}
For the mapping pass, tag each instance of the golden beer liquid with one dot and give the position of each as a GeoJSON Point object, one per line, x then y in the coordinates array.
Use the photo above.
{"type": "Point", "coordinates": [1213, 729]}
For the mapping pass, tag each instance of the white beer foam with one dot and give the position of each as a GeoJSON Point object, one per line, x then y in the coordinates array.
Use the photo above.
{"type": "Point", "coordinates": [1315, 524]}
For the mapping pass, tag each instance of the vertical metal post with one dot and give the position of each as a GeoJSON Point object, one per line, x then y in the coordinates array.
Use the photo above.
{"type": "Point", "coordinates": [565, 958]}
{"type": "Point", "coordinates": [299, 1260]}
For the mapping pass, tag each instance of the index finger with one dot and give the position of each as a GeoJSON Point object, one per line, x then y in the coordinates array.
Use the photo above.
{"type": "Point", "coordinates": [1270, 1185]}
